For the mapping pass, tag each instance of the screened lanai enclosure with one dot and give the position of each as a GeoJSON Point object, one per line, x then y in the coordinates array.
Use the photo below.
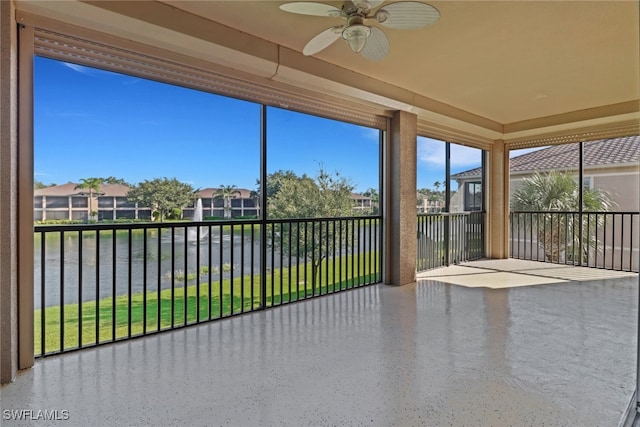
{"type": "Point", "coordinates": [100, 279]}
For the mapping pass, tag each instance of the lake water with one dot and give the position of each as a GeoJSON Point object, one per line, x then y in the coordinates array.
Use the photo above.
{"type": "Point", "coordinates": [87, 268]}
{"type": "Point", "coordinates": [106, 266]}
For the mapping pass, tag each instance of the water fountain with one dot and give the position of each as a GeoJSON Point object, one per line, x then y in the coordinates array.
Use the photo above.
{"type": "Point", "coordinates": [192, 232]}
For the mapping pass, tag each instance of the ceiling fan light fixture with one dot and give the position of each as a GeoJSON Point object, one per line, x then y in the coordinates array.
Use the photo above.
{"type": "Point", "coordinates": [356, 36]}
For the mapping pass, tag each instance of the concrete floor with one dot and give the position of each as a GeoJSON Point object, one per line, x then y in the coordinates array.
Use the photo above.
{"type": "Point", "coordinates": [561, 353]}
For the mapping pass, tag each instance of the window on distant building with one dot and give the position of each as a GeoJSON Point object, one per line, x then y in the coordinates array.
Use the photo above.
{"type": "Point", "coordinates": [57, 202]}
{"type": "Point", "coordinates": [123, 202]}
{"type": "Point", "coordinates": [472, 196]}
{"type": "Point", "coordinates": [105, 202]}
{"type": "Point", "coordinates": [79, 202]}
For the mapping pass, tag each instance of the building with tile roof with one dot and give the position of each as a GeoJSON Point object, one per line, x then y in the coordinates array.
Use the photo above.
{"type": "Point", "coordinates": [610, 165]}
{"type": "Point", "coordinates": [67, 202]}
{"type": "Point", "coordinates": [243, 204]}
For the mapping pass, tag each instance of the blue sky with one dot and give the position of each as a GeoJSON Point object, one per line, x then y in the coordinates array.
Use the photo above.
{"type": "Point", "coordinates": [94, 123]}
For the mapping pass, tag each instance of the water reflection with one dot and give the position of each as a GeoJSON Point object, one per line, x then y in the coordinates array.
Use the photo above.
{"type": "Point", "coordinates": [498, 321]}
{"type": "Point", "coordinates": [115, 261]}
{"type": "Point", "coordinates": [109, 263]}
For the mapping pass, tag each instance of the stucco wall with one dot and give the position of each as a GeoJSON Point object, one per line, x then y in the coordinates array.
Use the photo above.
{"type": "Point", "coordinates": [400, 224]}
{"type": "Point", "coordinates": [624, 190]}
{"type": "Point", "coordinates": [622, 186]}
{"type": "Point", "coordinates": [8, 194]}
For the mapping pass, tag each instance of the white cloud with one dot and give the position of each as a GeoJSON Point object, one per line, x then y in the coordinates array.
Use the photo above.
{"type": "Point", "coordinates": [432, 152]}
{"type": "Point", "coordinates": [371, 134]}
{"type": "Point", "coordinates": [93, 72]}
{"type": "Point", "coordinates": [78, 68]}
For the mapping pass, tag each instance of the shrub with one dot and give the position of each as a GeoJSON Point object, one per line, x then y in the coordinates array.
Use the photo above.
{"type": "Point", "coordinates": [60, 221]}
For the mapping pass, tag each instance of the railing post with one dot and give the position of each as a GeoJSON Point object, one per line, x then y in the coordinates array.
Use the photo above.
{"type": "Point", "coordinates": [447, 204]}
{"type": "Point", "coordinates": [580, 199]}
{"type": "Point", "coordinates": [636, 395]}
{"type": "Point", "coordinates": [263, 206]}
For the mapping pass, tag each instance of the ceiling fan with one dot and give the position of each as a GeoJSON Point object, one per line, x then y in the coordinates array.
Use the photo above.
{"type": "Point", "coordinates": [368, 40]}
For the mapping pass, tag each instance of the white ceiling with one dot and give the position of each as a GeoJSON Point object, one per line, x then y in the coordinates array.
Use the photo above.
{"type": "Point", "coordinates": [498, 67]}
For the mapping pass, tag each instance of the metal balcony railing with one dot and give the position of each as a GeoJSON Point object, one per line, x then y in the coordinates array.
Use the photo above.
{"type": "Point", "coordinates": [449, 238]}
{"type": "Point", "coordinates": [607, 240]}
{"type": "Point", "coordinates": [96, 284]}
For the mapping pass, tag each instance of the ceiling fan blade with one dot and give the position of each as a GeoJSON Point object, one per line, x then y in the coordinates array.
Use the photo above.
{"type": "Point", "coordinates": [407, 15]}
{"type": "Point", "coordinates": [322, 40]}
{"type": "Point", "coordinates": [367, 4]}
{"type": "Point", "coordinates": [310, 8]}
{"type": "Point", "coordinates": [377, 46]}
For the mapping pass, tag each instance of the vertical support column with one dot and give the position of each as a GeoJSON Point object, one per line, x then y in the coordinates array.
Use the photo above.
{"type": "Point", "coordinates": [25, 198]}
{"type": "Point", "coordinates": [8, 193]}
{"type": "Point", "coordinates": [400, 200]}
{"type": "Point", "coordinates": [497, 218]}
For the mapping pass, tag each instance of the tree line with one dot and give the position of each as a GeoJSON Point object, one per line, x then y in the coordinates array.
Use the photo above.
{"type": "Point", "coordinates": [288, 195]}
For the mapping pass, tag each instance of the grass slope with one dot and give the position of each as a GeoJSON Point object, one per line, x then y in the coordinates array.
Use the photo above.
{"type": "Point", "coordinates": [76, 325]}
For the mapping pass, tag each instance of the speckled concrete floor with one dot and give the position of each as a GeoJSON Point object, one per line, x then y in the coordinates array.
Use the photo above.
{"type": "Point", "coordinates": [428, 354]}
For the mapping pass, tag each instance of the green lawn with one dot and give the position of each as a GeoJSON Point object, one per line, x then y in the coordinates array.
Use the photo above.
{"type": "Point", "coordinates": [157, 311]}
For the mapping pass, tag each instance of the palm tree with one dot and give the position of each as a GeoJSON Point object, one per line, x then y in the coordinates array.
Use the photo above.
{"type": "Point", "coordinates": [373, 193]}
{"type": "Point", "coordinates": [93, 185]}
{"type": "Point", "coordinates": [375, 199]}
{"type": "Point", "coordinates": [226, 193]}
{"type": "Point", "coordinates": [256, 196]}
{"type": "Point", "coordinates": [557, 192]}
